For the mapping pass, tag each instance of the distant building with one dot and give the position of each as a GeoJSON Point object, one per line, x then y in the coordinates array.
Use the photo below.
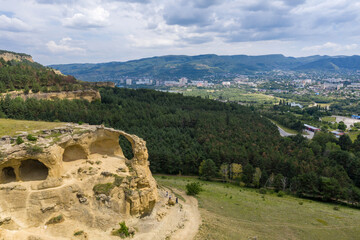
{"type": "Point", "coordinates": [337, 133]}
{"type": "Point", "coordinates": [293, 104]}
{"type": "Point", "coordinates": [332, 86]}
{"type": "Point", "coordinates": [311, 128]}
{"type": "Point", "coordinates": [227, 84]}
{"type": "Point", "coordinates": [355, 116]}
{"type": "Point", "coordinates": [183, 81]}
{"type": "Point", "coordinates": [128, 81]}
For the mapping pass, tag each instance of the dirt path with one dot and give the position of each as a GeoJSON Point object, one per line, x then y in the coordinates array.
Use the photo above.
{"type": "Point", "coordinates": [193, 217]}
{"type": "Point", "coordinates": [179, 222]}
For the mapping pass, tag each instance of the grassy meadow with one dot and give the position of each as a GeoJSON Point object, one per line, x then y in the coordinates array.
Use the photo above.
{"type": "Point", "coordinates": [232, 212]}
{"type": "Point", "coordinates": [231, 94]}
{"type": "Point", "coordinates": [12, 127]}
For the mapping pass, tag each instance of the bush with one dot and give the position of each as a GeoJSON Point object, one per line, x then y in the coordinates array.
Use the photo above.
{"type": "Point", "coordinates": [31, 138]}
{"type": "Point", "coordinates": [54, 220]}
{"type": "Point", "coordinates": [19, 140]}
{"type": "Point", "coordinates": [193, 189]}
{"type": "Point", "coordinates": [123, 231]}
{"type": "Point", "coordinates": [103, 188]}
{"type": "Point", "coordinates": [262, 190]}
{"type": "Point", "coordinates": [33, 149]}
{"type": "Point", "coordinates": [280, 194]}
{"type": "Point", "coordinates": [78, 233]}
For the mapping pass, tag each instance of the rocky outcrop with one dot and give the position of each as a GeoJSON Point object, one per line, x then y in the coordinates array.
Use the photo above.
{"type": "Point", "coordinates": [9, 56]}
{"type": "Point", "coordinates": [90, 95]}
{"type": "Point", "coordinates": [78, 174]}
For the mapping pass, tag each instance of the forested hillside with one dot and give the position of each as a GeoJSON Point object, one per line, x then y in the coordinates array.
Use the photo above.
{"type": "Point", "coordinates": [206, 67]}
{"type": "Point", "coordinates": [181, 132]}
{"type": "Point", "coordinates": [26, 75]}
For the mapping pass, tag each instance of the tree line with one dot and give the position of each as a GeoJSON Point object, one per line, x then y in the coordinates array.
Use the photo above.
{"type": "Point", "coordinates": [184, 133]}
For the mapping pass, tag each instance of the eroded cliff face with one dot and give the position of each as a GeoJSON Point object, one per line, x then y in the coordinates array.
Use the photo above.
{"type": "Point", "coordinates": [7, 56]}
{"type": "Point", "coordinates": [77, 174]}
{"type": "Point", "coordinates": [90, 95]}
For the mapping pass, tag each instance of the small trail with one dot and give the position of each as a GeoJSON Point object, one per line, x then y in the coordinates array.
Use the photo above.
{"type": "Point", "coordinates": [181, 222]}
{"type": "Point", "coordinates": [193, 217]}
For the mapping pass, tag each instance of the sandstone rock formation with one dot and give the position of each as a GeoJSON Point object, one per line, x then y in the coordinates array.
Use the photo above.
{"type": "Point", "coordinates": [9, 56]}
{"type": "Point", "coordinates": [90, 95]}
{"type": "Point", "coordinates": [72, 178]}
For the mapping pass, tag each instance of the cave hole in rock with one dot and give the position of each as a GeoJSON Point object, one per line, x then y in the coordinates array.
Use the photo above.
{"type": "Point", "coordinates": [32, 170]}
{"type": "Point", "coordinates": [126, 147]}
{"type": "Point", "coordinates": [104, 147]}
{"type": "Point", "coordinates": [8, 175]}
{"type": "Point", "coordinates": [73, 153]}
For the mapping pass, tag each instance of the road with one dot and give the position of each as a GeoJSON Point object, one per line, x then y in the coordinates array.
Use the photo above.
{"type": "Point", "coordinates": [309, 134]}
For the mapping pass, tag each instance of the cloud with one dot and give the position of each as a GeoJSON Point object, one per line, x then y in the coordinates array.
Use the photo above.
{"type": "Point", "coordinates": [64, 46]}
{"type": "Point", "coordinates": [12, 24]}
{"type": "Point", "coordinates": [330, 46]}
{"type": "Point", "coordinates": [186, 15]}
{"type": "Point", "coordinates": [88, 18]}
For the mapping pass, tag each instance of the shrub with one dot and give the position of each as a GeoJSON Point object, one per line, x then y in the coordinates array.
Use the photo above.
{"type": "Point", "coordinates": [33, 149]}
{"type": "Point", "coordinates": [280, 194]}
{"type": "Point", "coordinates": [78, 233]}
{"type": "Point", "coordinates": [54, 220]}
{"type": "Point", "coordinates": [118, 180]}
{"type": "Point", "coordinates": [193, 188]}
{"type": "Point", "coordinates": [336, 208]}
{"type": "Point", "coordinates": [31, 138]}
{"type": "Point", "coordinates": [19, 140]}
{"type": "Point", "coordinates": [103, 188]}
{"type": "Point", "coordinates": [301, 203]}
{"type": "Point", "coordinates": [262, 190]}
{"type": "Point", "coordinates": [123, 231]}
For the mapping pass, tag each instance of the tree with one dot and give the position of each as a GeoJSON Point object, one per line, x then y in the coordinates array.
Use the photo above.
{"type": "Point", "coordinates": [207, 169]}
{"type": "Point", "coordinates": [248, 173]}
{"type": "Point", "coordinates": [26, 89]}
{"type": "Point", "coordinates": [342, 126]}
{"type": "Point", "coordinates": [345, 142]}
{"type": "Point", "coordinates": [235, 171]}
{"type": "Point", "coordinates": [224, 172]}
{"type": "Point", "coordinates": [257, 177]}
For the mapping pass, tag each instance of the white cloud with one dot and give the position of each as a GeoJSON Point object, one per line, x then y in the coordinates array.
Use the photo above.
{"type": "Point", "coordinates": [331, 46]}
{"type": "Point", "coordinates": [12, 24]}
{"type": "Point", "coordinates": [64, 45]}
{"type": "Point", "coordinates": [88, 18]}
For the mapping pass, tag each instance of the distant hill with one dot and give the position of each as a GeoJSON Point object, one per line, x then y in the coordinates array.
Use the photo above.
{"type": "Point", "coordinates": [18, 71]}
{"type": "Point", "coordinates": [202, 66]}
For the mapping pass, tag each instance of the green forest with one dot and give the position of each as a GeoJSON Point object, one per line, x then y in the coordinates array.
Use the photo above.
{"type": "Point", "coordinates": [25, 75]}
{"type": "Point", "coordinates": [184, 132]}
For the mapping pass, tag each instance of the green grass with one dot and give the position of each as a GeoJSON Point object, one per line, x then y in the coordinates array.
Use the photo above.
{"type": "Point", "coordinates": [328, 119]}
{"type": "Point", "coordinates": [353, 135]}
{"type": "Point", "coordinates": [231, 94]}
{"type": "Point", "coordinates": [232, 212]}
{"type": "Point", "coordinates": [288, 130]}
{"type": "Point", "coordinates": [12, 127]}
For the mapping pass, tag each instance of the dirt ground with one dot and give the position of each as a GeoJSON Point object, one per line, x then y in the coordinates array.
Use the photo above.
{"type": "Point", "coordinates": [177, 222]}
{"type": "Point", "coordinates": [347, 120]}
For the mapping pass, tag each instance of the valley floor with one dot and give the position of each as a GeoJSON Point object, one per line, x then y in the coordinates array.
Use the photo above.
{"type": "Point", "coordinates": [232, 212]}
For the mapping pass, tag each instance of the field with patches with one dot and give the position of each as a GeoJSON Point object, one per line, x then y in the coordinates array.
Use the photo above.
{"type": "Point", "coordinates": [12, 127]}
{"type": "Point", "coordinates": [231, 94]}
{"type": "Point", "coordinates": [232, 212]}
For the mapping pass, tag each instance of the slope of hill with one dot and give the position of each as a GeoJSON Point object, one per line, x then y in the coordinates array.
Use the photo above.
{"type": "Point", "coordinates": [201, 66]}
{"type": "Point", "coordinates": [232, 212]}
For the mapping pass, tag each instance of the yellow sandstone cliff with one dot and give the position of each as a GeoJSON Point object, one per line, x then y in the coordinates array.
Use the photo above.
{"type": "Point", "coordinates": [77, 175]}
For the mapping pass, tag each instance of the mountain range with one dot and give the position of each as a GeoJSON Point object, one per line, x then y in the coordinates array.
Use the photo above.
{"type": "Point", "coordinates": [202, 66]}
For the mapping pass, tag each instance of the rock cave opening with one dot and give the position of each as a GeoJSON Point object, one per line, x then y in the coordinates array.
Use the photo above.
{"type": "Point", "coordinates": [33, 170]}
{"type": "Point", "coordinates": [104, 147]}
{"type": "Point", "coordinates": [126, 147]}
{"type": "Point", "coordinates": [73, 153]}
{"type": "Point", "coordinates": [8, 175]}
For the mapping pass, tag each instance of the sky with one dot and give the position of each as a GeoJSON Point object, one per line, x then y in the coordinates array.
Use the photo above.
{"type": "Point", "coordinates": [92, 31]}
